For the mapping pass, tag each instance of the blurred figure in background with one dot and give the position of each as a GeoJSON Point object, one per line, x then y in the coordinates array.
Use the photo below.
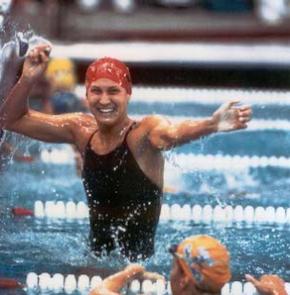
{"type": "Point", "coordinates": [61, 75]}
{"type": "Point", "coordinates": [40, 97]}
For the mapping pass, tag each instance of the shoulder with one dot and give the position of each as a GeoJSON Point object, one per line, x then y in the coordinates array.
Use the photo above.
{"type": "Point", "coordinates": [82, 126]}
{"type": "Point", "coordinates": [153, 121]}
{"type": "Point", "coordinates": [81, 119]}
{"type": "Point", "coordinates": [149, 129]}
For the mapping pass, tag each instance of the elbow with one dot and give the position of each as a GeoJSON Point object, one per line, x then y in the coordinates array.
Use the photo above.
{"type": "Point", "coordinates": [11, 122]}
{"type": "Point", "coordinates": [164, 142]}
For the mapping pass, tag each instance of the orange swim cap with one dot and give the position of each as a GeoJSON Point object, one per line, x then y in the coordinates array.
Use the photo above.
{"type": "Point", "coordinates": [275, 283]}
{"type": "Point", "coordinates": [112, 69]}
{"type": "Point", "coordinates": [206, 261]}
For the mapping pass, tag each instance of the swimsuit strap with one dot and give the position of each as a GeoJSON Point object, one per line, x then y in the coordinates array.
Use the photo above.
{"type": "Point", "coordinates": [129, 129]}
{"type": "Point", "coordinates": [125, 138]}
{"type": "Point", "coordinates": [91, 136]}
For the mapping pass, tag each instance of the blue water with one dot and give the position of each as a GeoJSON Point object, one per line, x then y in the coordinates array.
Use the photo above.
{"type": "Point", "coordinates": [29, 244]}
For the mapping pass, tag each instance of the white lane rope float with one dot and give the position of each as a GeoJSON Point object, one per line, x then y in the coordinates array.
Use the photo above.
{"type": "Point", "coordinates": [189, 162]}
{"type": "Point", "coordinates": [69, 283]}
{"type": "Point", "coordinates": [200, 162]}
{"type": "Point", "coordinates": [204, 96]}
{"type": "Point", "coordinates": [253, 125]}
{"type": "Point", "coordinates": [55, 210]}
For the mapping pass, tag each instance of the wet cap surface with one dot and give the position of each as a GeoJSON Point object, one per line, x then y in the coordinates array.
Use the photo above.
{"type": "Point", "coordinates": [112, 69]}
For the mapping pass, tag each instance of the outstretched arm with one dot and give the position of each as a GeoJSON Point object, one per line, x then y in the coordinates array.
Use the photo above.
{"type": "Point", "coordinates": [114, 283]}
{"type": "Point", "coordinates": [164, 135]}
{"type": "Point", "coordinates": [15, 114]}
{"type": "Point", "coordinates": [268, 285]}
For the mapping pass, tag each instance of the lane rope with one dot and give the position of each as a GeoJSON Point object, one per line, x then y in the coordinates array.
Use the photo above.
{"type": "Point", "coordinates": [253, 125]}
{"type": "Point", "coordinates": [69, 283]}
{"type": "Point", "coordinates": [204, 96]}
{"type": "Point", "coordinates": [189, 162]}
{"type": "Point", "coordinates": [197, 213]}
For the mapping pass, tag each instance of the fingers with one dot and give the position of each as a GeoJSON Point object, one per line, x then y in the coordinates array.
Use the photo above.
{"type": "Point", "coordinates": [228, 105]}
{"type": "Point", "coordinates": [43, 57]}
{"type": "Point", "coordinates": [232, 103]}
{"type": "Point", "coordinates": [153, 276]}
{"type": "Point", "coordinates": [251, 279]}
{"type": "Point", "coordinates": [245, 108]}
{"type": "Point", "coordinates": [244, 115]}
{"type": "Point", "coordinates": [39, 54]}
{"type": "Point", "coordinates": [42, 47]}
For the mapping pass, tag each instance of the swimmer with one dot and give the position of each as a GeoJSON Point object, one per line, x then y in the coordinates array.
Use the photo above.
{"type": "Point", "coordinates": [201, 265]}
{"type": "Point", "coordinates": [123, 165]}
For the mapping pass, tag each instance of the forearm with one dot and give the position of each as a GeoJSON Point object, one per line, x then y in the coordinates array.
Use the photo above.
{"type": "Point", "coordinates": [165, 135]}
{"type": "Point", "coordinates": [15, 105]}
{"type": "Point", "coordinates": [114, 283]}
{"type": "Point", "coordinates": [192, 130]}
{"type": "Point", "coordinates": [117, 281]}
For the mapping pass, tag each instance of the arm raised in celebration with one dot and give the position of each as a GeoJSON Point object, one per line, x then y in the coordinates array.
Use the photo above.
{"type": "Point", "coordinates": [165, 135]}
{"type": "Point", "coordinates": [16, 115]}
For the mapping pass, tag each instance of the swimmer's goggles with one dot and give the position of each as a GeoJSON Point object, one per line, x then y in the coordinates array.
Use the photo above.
{"type": "Point", "coordinates": [185, 263]}
{"type": "Point", "coordinates": [191, 272]}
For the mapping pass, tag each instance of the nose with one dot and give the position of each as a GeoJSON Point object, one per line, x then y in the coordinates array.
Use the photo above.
{"type": "Point", "coordinates": [104, 99]}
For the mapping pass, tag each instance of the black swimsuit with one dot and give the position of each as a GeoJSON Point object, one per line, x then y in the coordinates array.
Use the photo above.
{"type": "Point", "coordinates": [124, 203]}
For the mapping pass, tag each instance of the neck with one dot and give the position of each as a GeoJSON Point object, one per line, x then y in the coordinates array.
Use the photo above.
{"type": "Point", "coordinates": [114, 131]}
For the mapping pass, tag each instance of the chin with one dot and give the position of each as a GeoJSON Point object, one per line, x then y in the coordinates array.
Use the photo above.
{"type": "Point", "coordinates": [106, 121]}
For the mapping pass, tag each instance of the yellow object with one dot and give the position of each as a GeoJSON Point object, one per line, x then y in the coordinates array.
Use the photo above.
{"type": "Point", "coordinates": [61, 73]}
{"type": "Point", "coordinates": [206, 261]}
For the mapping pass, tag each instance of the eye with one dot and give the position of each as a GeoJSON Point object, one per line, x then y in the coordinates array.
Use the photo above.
{"type": "Point", "coordinates": [113, 91]}
{"type": "Point", "coordinates": [96, 90]}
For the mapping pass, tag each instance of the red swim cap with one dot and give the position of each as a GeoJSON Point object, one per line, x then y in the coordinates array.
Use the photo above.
{"type": "Point", "coordinates": [112, 69]}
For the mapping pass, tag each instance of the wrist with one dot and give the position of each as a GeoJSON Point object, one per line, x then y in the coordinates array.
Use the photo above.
{"type": "Point", "coordinates": [133, 270]}
{"type": "Point", "coordinates": [26, 81]}
{"type": "Point", "coordinates": [212, 124]}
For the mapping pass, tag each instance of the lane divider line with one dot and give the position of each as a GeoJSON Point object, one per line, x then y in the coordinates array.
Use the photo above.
{"type": "Point", "coordinates": [203, 96]}
{"type": "Point", "coordinates": [191, 162]}
{"type": "Point", "coordinates": [69, 283]}
{"type": "Point", "coordinates": [55, 210]}
{"type": "Point", "coordinates": [253, 125]}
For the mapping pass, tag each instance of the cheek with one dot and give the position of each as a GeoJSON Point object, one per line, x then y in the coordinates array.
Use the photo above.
{"type": "Point", "coordinates": [92, 100]}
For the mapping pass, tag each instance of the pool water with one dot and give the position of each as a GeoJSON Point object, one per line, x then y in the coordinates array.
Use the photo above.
{"type": "Point", "coordinates": [40, 245]}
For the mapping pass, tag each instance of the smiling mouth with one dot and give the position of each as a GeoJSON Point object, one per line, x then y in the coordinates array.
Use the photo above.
{"type": "Point", "coordinates": [106, 111]}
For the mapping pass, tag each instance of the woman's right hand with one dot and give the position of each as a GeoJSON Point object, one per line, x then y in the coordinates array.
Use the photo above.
{"type": "Point", "coordinates": [268, 284]}
{"type": "Point", "coordinates": [36, 62]}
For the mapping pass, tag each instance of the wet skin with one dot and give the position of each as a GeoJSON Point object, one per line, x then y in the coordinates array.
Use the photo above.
{"type": "Point", "coordinates": [109, 121]}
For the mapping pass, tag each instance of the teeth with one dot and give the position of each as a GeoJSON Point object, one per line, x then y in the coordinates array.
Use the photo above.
{"type": "Point", "coordinates": [106, 110]}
